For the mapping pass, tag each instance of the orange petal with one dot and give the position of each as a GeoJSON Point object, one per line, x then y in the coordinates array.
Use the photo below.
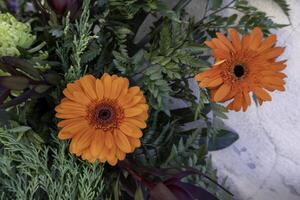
{"type": "Point", "coordinates": [237, 103]}
{"type": "Point", "coordinates": [246, 42]}
{"type": "Point", "coordinates": [113, 161]}
{"type": "Point", "coordinates": [216, 82]}
{"type": "Point", "coordinates": [221, 54]}
{"type": "Point", "coordinates": [87, 155]}
{"type": "Point", "coordinates": [122, 141]}
{"type": "Point", "coordinates": [262, 94]}
{"type": "Point", "coordinates": [267, 43]}
{"type": "Point", "coordinates": [109, 140]}
{"type": "Point", "coordinates": [131, 112]}
{"type": "Point", "coordinates": [120, 154]}
{"type": "Point", "coordinates": [236, 41]}
{"type": "Point", "coordinates": [64, 135]}
{"type": "Point", "coordinates": [81, 98]}
{"type": "Point", "coordinates": [97, 144]}
{"type": "Point", "coordinates": [75, 112]}
{"type": "Point", "coordinates": [134, 90]}
{"type": "Point", "coordinates": [137, 122]}
{"type": "Point", "coordinates": [222, 92]}
{"type": "Point", "coordinates": [72, 105]}
{"type": "Point", "coordinates": [134, 142]}
{"type": "Point", "coordinates": [244, 105]}
{"type": "Point", "coordinates": [135, 100]}
{"type": "Point", "coordinates": [225, 41]}
{"type": "Point", "coordinates": [85, 140]}
{"type": "Point", "coordinates": [219, 62]}
{"type": "Point", "coordinates": [278, 66]}
{"type": "Point", "coordinates": [75, 127]}
{"type": "Point", "coordinates": [88, 84]}
{"type": "Point", "coordinates": [210, 44]}
{"type": "Point", "coordinates": [273, 80]}
{"type": "Point", "coordinates": [247, 97]}
{"type": "Point", "coordinates": [99, 89]}
{"type": "Point", "coordinates": [255, 38]}
{"type": "Point", "coordinates": [273, 53]}
{"type": "Point", "coordinates": [125, 87]}
{"type": "Point", "coordinates": [107, 83]}
{"type": "Point", "coordinates": [219, 44]}
{"type": "Point", "coordinates": [116, 88]}
{"type": "Point", "coordinates": [67, 122]}
{"type": "Point", "coordinates": [73, 145]}
{"type": "Point", "coordinates": [131, 130]}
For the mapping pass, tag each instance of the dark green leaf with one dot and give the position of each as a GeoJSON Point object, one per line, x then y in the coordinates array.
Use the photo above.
{"type": "Point", "coordinates": [215, 4]}
{"type": "Point", "coordinates": [52, 78]}
{"type": "Point", "coordinates": [284, 6]}
{"type": "Point", "coordinates": [222, 140]}
{"type": "Point", "coordinates": [139, 194]}
{"type": "Point", "coordinates": [41, 88]}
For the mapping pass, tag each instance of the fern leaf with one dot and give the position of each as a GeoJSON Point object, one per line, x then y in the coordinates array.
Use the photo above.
{"type": "Point", "coordinates": [284, 6]}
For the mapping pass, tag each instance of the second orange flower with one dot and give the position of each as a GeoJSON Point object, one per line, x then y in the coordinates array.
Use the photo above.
{"type": "Point", "coordinates": [243, 65]}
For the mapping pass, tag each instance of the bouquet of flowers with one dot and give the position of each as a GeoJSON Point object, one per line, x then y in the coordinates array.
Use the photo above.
{"type": "Point", "coordinates": [115, 99]}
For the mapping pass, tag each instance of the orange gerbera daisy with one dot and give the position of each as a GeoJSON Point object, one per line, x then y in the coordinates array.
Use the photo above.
{"type": "Point", "coordinates": [243, 65]}
{"type": "Point", "coordinates": [103, 117]}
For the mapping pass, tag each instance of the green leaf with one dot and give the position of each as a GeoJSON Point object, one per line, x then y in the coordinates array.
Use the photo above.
{"type": "Point", "coordinates": [284, 6]}
{"type": "Point", "coordinates": [222, 140]}
{"type": "Point", "coordinates": [215, 4]}
{"type": "Point", "coordinates": [20, 129]}
{"type": "Point", "coordinates": [41, 88]}
{"type": "Point", "coordinates": [232, 19]}
{"type": "Point", "coordinates": [4, 116]}
{"type": "Point", "coordinates": [139, 194]}
{"type": "Point", "coordinates": [52, 78]}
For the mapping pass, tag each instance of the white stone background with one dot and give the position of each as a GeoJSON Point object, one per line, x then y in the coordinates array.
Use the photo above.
{"type": "Point", "coordinates": [264, 164]}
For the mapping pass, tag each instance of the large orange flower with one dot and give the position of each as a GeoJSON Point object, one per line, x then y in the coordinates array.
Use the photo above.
{"type": "Point", "coordinates": [103, 117]}
{"type": "Point", "coordinates": [243, 65]}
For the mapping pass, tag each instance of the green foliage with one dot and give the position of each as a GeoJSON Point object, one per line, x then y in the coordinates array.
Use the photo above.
{"type": "Point", "coordinates": [284, 6]}
{"type": "Point", "coordinates": [31, 171]}
{"type": "Point", "coordinates": [81, 39]}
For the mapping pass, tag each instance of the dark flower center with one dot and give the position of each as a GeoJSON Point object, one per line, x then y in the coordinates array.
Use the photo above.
{"type": "Point", "coordinates": [104, 114]}
{"type": "Point", "coordinates": [239, 71]}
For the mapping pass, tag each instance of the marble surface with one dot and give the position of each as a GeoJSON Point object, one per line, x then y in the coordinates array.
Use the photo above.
{"type": "Point", "coordinates": [264, 164]}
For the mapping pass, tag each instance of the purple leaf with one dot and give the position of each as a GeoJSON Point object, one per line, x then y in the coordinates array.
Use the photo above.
{"type": "Point", "coordinates": [179, 192]}
{"type": "Point", "coordinates": [4, 92]}
{"type": "Point", "coordinates": [14, 82]}
{"type": "Point", "coordinates": [194, 191]}
{"type": "Point", "coordinates": [162, 192]}
{"type": "Point", "coordinates": [63, 6]}
{"type": "Point", "coordinates": [20, 99]}
{"type": "Point", "coordinates": [23, 65]}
